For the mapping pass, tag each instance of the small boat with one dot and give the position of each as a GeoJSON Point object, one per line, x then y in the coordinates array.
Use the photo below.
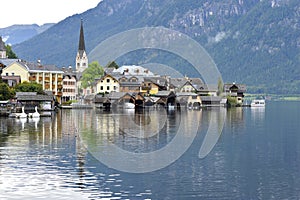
{"type": "Point", "coordinates": [258, 103]}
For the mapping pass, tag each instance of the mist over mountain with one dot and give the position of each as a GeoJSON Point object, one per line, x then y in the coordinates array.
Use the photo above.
{"type": "Point", "coordinates": [253, 42]}
{"type": "Point", "coordinates": [16, 34]}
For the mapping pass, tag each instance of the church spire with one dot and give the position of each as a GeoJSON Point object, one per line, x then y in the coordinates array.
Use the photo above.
{"type": "Point", "coordinates": [2, 49]}
{"type": "Point", "coordinates": [81, 57]}
{"type": "Point", "coordinates": [81, 46]}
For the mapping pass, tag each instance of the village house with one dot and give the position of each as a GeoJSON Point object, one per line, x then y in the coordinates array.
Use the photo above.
{"type": "Point", "coordinates": [151, 85]}
{"type": "Point", "coordinates": [107, 84]}
{"type": "Point", "coordinates": [188, 99]}
{"type": "Point", "coordinates": [186, 84]}
{"type": "Point", "coordinates": [70, 90]}
{"type": "Point", "coordinates": [236, 91]}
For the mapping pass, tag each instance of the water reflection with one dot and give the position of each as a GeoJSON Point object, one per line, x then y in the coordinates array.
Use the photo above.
{"type": "Point", "coordinates": [47, 158]}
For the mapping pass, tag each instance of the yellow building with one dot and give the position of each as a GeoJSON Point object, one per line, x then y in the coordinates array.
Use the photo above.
{"type": "Point", "coordinates": [107, 84]}
{"type": "Point", "coordinates": [151, 85]}
{"type": "Point", "coordinates": [49, 76]}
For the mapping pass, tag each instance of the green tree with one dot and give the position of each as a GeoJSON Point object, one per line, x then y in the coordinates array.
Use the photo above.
{"type": "Point", "coordinates": [10, 53]}
{"type": "Point", "coordinates": [220, 86]}
{"type": "Point", "coordinates": [89, 74]}
{"type": "Point", "coordinates": [6, 92]}
{"type": "Point", "coordinates": [112, 64]}
{"type": "Point", "coordinates": [29, 87]}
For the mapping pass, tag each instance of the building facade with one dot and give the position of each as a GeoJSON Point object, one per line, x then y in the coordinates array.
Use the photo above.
{"type": "Point", "coordinates": [49, 76]}
{"type": "Point", "coordinates": [107, 84]}
{"type": "Point", "coordinates": [70, 90]}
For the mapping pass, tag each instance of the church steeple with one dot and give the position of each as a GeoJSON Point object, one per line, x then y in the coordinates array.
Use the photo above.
{"type": "Point", "coordinates": [2, 49]}
{"type": "Point", "coordinates": [81, 46]}
{"type": "Point", "coordinates": [81, 57]}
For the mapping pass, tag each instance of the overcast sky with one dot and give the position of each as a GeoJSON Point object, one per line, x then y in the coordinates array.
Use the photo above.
{"type": "Point", "coordinates": [41, 11]}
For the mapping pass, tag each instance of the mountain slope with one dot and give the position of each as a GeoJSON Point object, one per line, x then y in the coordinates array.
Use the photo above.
{"type": "Point", "coordinates": [253, 42]}
{"type": "Point", "coordinates": [19, 33]}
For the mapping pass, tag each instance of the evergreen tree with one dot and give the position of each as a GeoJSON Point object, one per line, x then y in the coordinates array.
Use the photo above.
{"type": "Point", "coordinates": [10, 53]}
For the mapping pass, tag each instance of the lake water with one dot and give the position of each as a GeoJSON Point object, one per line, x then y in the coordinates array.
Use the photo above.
{"type": "Point", "coordinates": [217, 153]}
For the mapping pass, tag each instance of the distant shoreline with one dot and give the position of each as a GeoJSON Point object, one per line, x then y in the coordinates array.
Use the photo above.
{"type": "Point", "coordinates": [273, 97]}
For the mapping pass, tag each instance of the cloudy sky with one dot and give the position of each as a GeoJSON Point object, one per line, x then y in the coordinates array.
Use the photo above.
{"type": "Point", "coordinates": [41, 11]}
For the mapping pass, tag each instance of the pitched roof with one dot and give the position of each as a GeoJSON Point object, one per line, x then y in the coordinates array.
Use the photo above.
{"type": "Point", "coordinates": [30, 66]}
{"type": "Point", "coordinates": [7, 61]}
{"type": "Point", "coordinates": [178, 82]}
{"type": "Point", "coordinates": [160, 81]}
{"type": "Point", "coordinates": [81, 45]}
{"type": "Point", "coordinates": [240, 87]}
{"type": "Point", "coordinates": [116, 95]}
{"type": "Point", "coordinates": [37, 97]}
{"type": "Point", "coordinates": [164, 94]}
{"type": "Point", "coordinates": [101, 99]}
{"type": "Point", "coordinates": [197, 83]}
{"type": "Point", "coordinates": [133, 70]}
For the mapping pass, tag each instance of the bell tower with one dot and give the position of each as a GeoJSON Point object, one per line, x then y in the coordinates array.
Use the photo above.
{"type": "Point", "coordinates": [2, 49]}
{"type": "Point", "coordinates": [81, 57]}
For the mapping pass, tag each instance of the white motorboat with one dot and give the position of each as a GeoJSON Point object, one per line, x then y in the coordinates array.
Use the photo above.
{"type": "Point", "coordinates": [258, 103]}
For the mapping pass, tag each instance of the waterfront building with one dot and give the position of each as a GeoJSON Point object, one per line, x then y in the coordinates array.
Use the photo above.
{"type": "Point", "coordinates": [186, 84]}
{"type": "Point", "coordinates": [236, 91]}
{"type": "Point", "coordinates": [151, 85]}
{"type": "Point", "coordinates": [188, 99]}
{"type": "Point", "coordinates": [49, 76]}
{"type": "Point", "coordinates": [70, 89]}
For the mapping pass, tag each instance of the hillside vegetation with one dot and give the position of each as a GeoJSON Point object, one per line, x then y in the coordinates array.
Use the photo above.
{"type": "Point", "coordinates": [252, 42]}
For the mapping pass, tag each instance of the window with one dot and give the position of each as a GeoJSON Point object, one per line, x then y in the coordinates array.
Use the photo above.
{"type": "Point", "coordinates": [115, 88]}
{"type": "Point", "coordinates": [101, 87]}
{"type": "Point", "coordinates": [107, 80]}
{"type": "Point", "coordinates": [107, 87]}
{"type": "Point", "coordinates": [12, 73]}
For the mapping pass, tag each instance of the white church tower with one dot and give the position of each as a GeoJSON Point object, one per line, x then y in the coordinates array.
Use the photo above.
{"type": "Point", "coordinates": [81, 57]}
{"type": "Point", "coordinates": [2, 49]}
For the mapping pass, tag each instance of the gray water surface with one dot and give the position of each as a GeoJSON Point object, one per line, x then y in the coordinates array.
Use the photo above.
{"type": "Point", "coordinates": [256, 155]}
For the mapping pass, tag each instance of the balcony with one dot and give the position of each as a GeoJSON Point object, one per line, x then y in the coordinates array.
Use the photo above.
{"type": "Point", "coordinates": [32, 78]}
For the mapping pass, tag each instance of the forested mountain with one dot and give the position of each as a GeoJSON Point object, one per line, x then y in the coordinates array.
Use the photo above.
{"type": "Point", "coordinates": [255, 42]}
{"type": "Point", "coordinates": [19, 33]}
